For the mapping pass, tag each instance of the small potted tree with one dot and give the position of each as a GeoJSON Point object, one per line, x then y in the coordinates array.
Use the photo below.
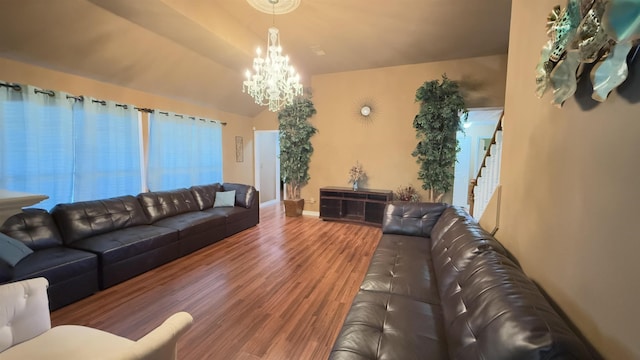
{"type": "Point", "coordinates": [442, 109]}
{"type": "Point", "coordinates": [295, 150]}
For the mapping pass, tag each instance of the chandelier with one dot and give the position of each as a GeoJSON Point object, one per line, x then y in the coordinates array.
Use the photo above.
{"type": "Point", "coordinates": [274, 81]}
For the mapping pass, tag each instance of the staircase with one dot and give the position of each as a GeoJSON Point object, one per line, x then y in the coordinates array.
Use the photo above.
{"type": "Point", "coordinates": [481, 188]}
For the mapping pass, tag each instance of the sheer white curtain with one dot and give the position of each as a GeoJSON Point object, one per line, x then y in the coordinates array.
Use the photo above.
{"type": "Point", "coordinates": [208, 150]}
{"type": "Point", "coordinates": [183, 151]}
{"type": "Point", "coordinates": [107, 150]}
{"type": "Point", "coordinates": [36, 153]}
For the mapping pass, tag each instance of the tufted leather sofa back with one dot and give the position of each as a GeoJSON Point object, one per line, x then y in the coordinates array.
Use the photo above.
{"type": "Point", "coordinates": [414, 219]}
{"type": "Point", "coordinates": [450, 216]}
{"type": "Point", "coordinates": [205, 195]}
{"type": "Point", "coordinates": [462, 243]}
{"type": "Point", "coordinates": [24, 312]}
{"type": "Point", "coordinates": [158, 205]}
{"type": "Point", "coordinates": [83, 219]}
{"type": "Point", "coordinates": [244, 193]}
{"type": "Point", "coordinates": [496, 312]}
{"type": "Point", "coordinates": [34, 227]}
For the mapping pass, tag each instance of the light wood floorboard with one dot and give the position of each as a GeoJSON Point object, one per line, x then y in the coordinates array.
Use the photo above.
{"type": "Point", "coordinates": [279, 290]}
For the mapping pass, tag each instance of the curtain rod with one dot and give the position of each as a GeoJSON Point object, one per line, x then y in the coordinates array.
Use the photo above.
{"type": "Point", "coordinates": [76, 98]}
{"type": "Point", "coordinates": [15, 87]}
{"type": "Point", "coordinates": [205, 120]}
{"type": "Point", "coordinates": [191, 117]}
{"type": "Point", "coordinates": [44, 91]}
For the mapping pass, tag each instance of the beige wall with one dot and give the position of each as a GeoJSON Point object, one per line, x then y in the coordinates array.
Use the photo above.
{"type": "Point", "coordinates": [570, 193]}
{"type": "Point", "coordinates": [383, 142]}
{"type": "Point", "coordinates": [266, 120]}
{"type": "Point", "coordinates": [242, 172]}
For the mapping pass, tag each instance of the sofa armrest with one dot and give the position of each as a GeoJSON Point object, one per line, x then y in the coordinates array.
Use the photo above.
{"type": "Point", "coordinates": [34, 227]}
{"type": "Point", "coordinates": [245, 194]}
{"type": "Point", "coordinates": [24, 311]}
{"type": "Point", "coordinates": [161, 343]}
{"type": "Point", "coordinates": [411, 218]}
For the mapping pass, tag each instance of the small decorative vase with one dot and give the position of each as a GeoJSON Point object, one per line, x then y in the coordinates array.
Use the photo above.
{"type": "Point", "coordinates": [355, 185]}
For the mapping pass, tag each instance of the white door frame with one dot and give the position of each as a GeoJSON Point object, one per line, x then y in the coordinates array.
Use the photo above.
{"type": "Point", "coordinates": [257, 172]}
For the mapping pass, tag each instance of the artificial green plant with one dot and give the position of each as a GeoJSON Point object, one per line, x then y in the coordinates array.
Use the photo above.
{"type": "Point", "coordinates": [442, 108]}
{"type": "Point", "coordinates": [295, 144]}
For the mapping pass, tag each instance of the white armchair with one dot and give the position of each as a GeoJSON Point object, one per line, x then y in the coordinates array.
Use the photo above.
{"type": "Point", "coordinates": [26, 333]}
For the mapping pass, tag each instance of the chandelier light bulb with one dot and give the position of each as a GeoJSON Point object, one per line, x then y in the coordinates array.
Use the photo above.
{"type": "Point", "coordinates": [274, 82]}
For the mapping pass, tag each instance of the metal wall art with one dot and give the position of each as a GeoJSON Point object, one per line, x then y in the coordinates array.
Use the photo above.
{"type": "Point", "coordinates": [604, 33]}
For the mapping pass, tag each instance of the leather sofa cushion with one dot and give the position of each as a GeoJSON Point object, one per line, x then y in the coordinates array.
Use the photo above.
{"type": "Point", "coordinates": [57, 264]}
{"type": "Point", "coordinates": [237, 218]}
{"type": "Point", "coordinates": [386, 326]}
{"type": "Point", "coordinates": [84, 219]}
{"type": "Point", "coordinates": [34, 227]}
{"type": "Point", "coordinates": [402, 265]}
{"type": "Point", "coordinates": [190, 223]}
{"type": "Point", "coordinates": [231, 214]}
{"type": "Point", "coordinates": [501, 314]}
{"type": "Point", "coordinates": [244, 193]}
{"type": "Point", "coordinates": [205, 195]}
{"type": "Point", "coordinates": [406, 218]}
{"type": "Point", "coordinates": [162, 204]}
{"type": "Point", "coordinates": [126, 243]}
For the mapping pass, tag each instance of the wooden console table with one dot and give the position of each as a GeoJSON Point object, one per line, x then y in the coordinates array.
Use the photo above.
{"type": "Point", "coordinates": [362, 206]}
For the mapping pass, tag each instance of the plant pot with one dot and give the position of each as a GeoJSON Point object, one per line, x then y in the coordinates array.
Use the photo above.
{"type": "Point", "coordinates": [293, 208]}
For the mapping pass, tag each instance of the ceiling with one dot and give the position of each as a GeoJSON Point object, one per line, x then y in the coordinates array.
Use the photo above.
{"type": "Point", "coordinates": [198, 50]}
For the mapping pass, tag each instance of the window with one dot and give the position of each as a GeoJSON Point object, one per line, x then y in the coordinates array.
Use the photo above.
{"type": "Point", "coordinates": [68, 148]}
{"type": "Point", "coordinates": [37, 143]}
{"type": "Point", "coordinates": [183, 151]}
{"type": "Point", "coordinates": [77, 148]}
{"type": "Point", "coordinates": [107, 150]}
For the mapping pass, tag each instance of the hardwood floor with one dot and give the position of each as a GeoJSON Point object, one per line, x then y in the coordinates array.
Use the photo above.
{"type": "Point", "coordinates": [279, 290]}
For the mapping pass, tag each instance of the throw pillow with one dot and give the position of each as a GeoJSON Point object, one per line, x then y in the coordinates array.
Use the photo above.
{"type": "Point", "coordinates": [12, 250]}
{"type": "Point", "coordinates": [225, 198]}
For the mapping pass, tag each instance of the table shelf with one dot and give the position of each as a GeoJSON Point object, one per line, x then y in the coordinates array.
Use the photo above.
{"type": "Point", "coordinates": [362, 206]}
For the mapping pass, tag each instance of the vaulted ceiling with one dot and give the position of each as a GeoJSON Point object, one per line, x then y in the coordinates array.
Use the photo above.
{"type": "Point", "coordinates": [199, 50]}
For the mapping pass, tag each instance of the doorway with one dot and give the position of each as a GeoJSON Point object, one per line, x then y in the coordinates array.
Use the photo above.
{"type": "Point", "coordinates": [267, 165]}
{"type": "Point", "coordinates": [479, 126]}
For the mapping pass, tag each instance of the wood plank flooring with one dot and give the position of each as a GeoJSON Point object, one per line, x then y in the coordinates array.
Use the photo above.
{"type": "Point", "coordinates": [279, 290]}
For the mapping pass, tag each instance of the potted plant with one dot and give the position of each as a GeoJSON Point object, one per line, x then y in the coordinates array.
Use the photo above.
{"type": "Point", "coordinates": [295, 150]}
{"type": "Point", "coordinates": [406, 193]}
{"type": "Point", "coordinates": [442, 109]}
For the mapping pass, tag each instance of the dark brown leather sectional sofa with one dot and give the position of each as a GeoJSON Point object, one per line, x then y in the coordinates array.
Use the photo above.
{"type": "Point", "coordinates": [441, 287]}
{"type": "Point", "coordinates": [86, 246]}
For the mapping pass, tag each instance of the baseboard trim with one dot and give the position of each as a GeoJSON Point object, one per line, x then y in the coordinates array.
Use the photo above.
{"type": "Point", "coordinates": [310, 213]}
{"type": "Point", "coordinates": [270, 202]}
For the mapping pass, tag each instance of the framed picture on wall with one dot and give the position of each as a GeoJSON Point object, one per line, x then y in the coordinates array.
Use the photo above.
{"type": "Point", "coordinates": [239, 149]}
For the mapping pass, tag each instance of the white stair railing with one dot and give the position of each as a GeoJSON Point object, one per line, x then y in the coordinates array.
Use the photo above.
{"type": "Point", "coordinates": [488, 177]}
